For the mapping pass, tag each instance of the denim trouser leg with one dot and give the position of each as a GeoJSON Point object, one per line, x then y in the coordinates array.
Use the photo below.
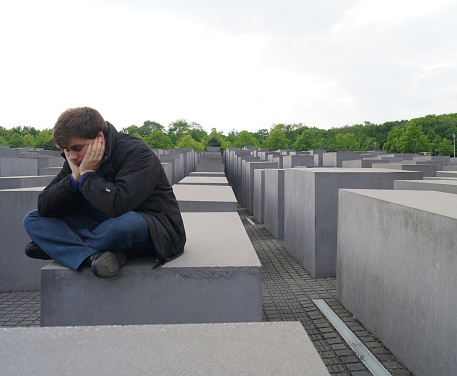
{"type": "Point", "coordinates": [70, 241]}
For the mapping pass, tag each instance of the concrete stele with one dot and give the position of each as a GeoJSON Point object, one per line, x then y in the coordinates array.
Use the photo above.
{"type": "Point", "coordinates": [396, 272]}
{"type": "Point", "coordinates": [209, 198]}
{"type": "Point", "coordinates": [279, 348]}
{"type": "Point", "coordinates": [311, 206]}
{"type": "Point", "coordinates": [217, 279]}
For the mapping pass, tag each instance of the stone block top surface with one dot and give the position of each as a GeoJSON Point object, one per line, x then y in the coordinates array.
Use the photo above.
{"type": "Point", "coordinates": [202, 180]}
{"type": "Point", "coordinates": [215, 239]}
{"type": "Point", "coordinates": [29, 189]}
{"type": "Point", "coordinates": [440, 203]}
{"type": "Point", "coordinates": [281, 348]}
{"type": "Point", "coordinates": [188, 192]}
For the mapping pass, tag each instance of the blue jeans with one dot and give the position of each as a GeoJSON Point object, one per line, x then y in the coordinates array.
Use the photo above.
{"type": "Point", "coordinates": [71, 241]}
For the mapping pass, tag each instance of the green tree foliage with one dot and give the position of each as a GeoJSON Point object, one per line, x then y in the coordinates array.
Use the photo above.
{"type": "Point", "coordinates": [446, 148]}
{"type": "Point", "coordinates": [29, 140]}
{"type": "Point", "coordinates": [346, 141]}
{"type": "Point", "coordinates": [309, 139]}
{"type": "Point", "coordinates": [413, 140]}
{"type": "Point", "coordinates": [3, 141]}
{"type": "Point", "coordinates": [16, 141]}
{"type": "Point", "coordinates": [158, 140]}
{"type": "Point", "coordinates": [130, 130]}
{"type": "Point", "coordinates": [188, 142]}
{"type": "Point", "coordinates": [177, 129]}
{"type": "Point", "coordinates": [44, 140]}
{"type": "Point", "coordinates": [245, 138]}
{"type": "Point", "coordinates": [276, 140]}
{"type": "Point", "coordinates": [392, 145]}
{"type": "Point", "coordinates": [148, 127]}
{"type": "Point", "coordinates": [214, 142]}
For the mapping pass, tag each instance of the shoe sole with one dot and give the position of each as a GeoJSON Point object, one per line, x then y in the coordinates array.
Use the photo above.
{"type": "Point", "coordinates": [106, 266]}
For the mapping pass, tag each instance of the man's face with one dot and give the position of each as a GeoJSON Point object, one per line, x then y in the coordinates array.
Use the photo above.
{"type": "Point", "coordinates": [77, 148]}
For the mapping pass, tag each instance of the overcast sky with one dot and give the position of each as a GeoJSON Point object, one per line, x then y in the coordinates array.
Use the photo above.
{"type": "Point", "coordinates": [243, 64]}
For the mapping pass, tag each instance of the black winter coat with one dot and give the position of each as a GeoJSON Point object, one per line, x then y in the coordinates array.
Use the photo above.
{"type": "Point", "coordinates": [130, 178]}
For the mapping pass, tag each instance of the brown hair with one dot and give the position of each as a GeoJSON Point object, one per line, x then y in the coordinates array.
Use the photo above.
{"type": "Point", "coordinates": [84, 122]}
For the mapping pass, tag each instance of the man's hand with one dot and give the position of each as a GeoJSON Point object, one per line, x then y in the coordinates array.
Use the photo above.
{"type": "Point", "coordinates": [74, 168]}
{"type": "Point", "coordinates": [94, 156]}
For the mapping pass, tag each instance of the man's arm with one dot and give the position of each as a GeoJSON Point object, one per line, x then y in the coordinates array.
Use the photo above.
{"type": "Point", "coordinates": [135, 181]}
{"type": "Point", "coordinates": [59, 197]}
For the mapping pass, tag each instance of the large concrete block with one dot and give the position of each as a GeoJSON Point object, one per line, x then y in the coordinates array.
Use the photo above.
{"type": "Point", "coordinates": [239, 177]}
{"type": "Point", "coordinates": [426, 169]}
{"type": "Point", "coordinates": [290, 161]}
{"type": "Point", "coordinates": [217, 279]}
{"type": "Point", "coordinates": [209, 167]}
{"type": "Point", "coordinates": [248, 180]}
{"type": "Point", "coordinates": [361, 163]}
{"type": "Point", "coordinates": [396, 272]}
{"type": "Point", "coordinates": [274, 202]}
{"type": "Point", "coordinates": [208, 174]}
{"type": "Point", "coordinates": [197, 198]}
{"type": "Point", "coordinates": [335, 159]}
{"type": "Point", "coordinates": [202, 180]}
{"type": "Point", "coordinates": [259, 195]}
{"type": "Point", "coordinates": [13, 182]}
{"type": "Point", "coordinates": [49, 170]}
{"type": "Point", "coordinates": [274, 348]}
{"type": "Point", "coordinates": [311, 206]}
{"type": "Point", "coordinates": [449, 186]}
{"type": "Point", "coordinates": [18, 166]}
{"type": "Point", "coordinates": [168, 169]}
{"type": "Point", "coordinates": [446, 174]}
{"type": "Point", "coordinates": [17, 271]}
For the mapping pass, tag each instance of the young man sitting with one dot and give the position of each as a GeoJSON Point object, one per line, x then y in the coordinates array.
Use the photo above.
{"type": "Point", "coordinates": [111, 199]}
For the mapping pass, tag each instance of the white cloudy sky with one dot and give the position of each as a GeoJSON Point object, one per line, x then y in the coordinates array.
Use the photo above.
{"type": "Point", "coordinates": [243, 64]}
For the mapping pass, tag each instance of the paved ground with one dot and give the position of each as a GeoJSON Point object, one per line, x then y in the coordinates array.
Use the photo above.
{"type": "Point", "coordinates": [287, 293]}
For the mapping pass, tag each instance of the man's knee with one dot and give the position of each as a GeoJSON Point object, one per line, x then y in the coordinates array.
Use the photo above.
{"type": "Point", "coordinates": [31, 216]}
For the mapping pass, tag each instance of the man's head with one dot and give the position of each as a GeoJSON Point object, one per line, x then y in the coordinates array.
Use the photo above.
{"type": "Point", "coordinates": [81, 123]}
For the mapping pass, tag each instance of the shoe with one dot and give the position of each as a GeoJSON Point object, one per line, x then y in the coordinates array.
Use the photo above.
{"type": "Point", "coordinates": [32, 250]}
{"type": "Point", "coordinates": [104, 264]}
{"type": "Point", "coordinates": [122, 257]}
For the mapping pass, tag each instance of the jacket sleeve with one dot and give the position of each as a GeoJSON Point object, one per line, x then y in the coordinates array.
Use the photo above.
{"type": "Point", "coordinates": [59, 198]}
{"type": "Point", "coordinates": [136, 178]}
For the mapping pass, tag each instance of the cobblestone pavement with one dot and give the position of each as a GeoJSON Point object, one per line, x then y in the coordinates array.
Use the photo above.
{"type": "Point", "coordinates": [287, 293]}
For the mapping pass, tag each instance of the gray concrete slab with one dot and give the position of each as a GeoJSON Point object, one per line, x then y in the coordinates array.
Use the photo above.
{"type": "Point", "coordinates": [446, 174]}
{"type": "Point", "coordinates": [217, 279]}
{"type": "Point", "coordinates": [197, 198]}
{"type": "Point", "coordinates": [49, 170]}
{"type": "Point", "coordinates": [168, 168]}
{"type": "Point", "coordinates": [361, 163]}
{"type": "Point", "coordinates": [259, 195]}
{"type": "Point", "coordinates": [17, 271]}
{"type": "Point", "coordinates": [13, 182]}
{"type": "Point", "coordinates": [204, 180]}
{"type": "Point", "coordinates": [18, 166]}
{"type": "Point", "coordinates": [290, 161]}
{"type": "Point", "coordinates": [426, 169]}
{"type": "Point", "coordinates": [248, 180]}
{"type": "Point", "coordinates": [207, 174]}
{"type": "Point", "coordinates": [449, 186]}
{"type": "Point", "coordinates": [212, 349]}
{"type": "Point", "coordinates": [311, 206]}
{"type": "Point", "coordinates": [210, 167]}
{"type": "Point", "coordinates": [274, 202]}
{"type": "Point", "coordinates": [335, 159]}
{"type": "Point", "coordinates": [396, 272]}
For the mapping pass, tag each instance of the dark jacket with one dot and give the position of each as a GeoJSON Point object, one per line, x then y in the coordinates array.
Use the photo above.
{"type": "Point", "coordinates": [130, 178]}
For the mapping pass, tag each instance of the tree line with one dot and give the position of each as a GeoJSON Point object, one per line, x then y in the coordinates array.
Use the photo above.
{"type": "Point", "coordinates": [431, 133]}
